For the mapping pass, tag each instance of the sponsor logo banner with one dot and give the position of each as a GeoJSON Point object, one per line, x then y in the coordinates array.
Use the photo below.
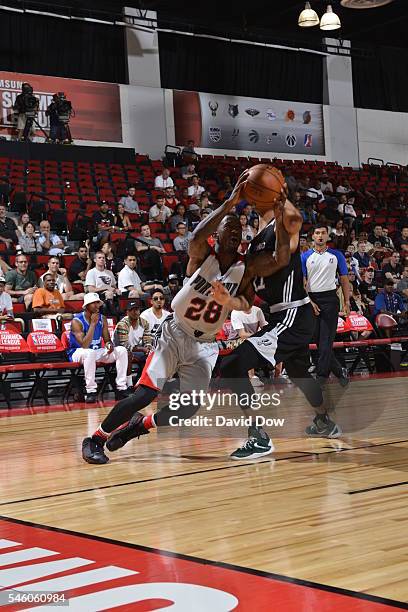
{"type": "Point", "coordinates": [96, 105]}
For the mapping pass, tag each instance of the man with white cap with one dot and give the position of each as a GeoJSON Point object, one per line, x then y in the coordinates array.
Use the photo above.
{"type": "Point", "coordinates": [88, 329]}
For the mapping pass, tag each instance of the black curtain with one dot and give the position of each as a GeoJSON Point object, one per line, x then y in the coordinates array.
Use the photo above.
{"type": "Point", "coordinates": [380, 82]}
{"type": "Point", "coordinates": [56, 47]}
{"type": "Point", "coordinates": [201, 64]}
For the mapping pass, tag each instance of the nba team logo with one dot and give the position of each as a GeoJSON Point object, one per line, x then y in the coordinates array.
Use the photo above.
{"type": "Point", "coordinates": [214, 134]}
{"type": "Point", "coordinates": [291, 140]}
{"type": "Point", "coordinates": [252, 112]}
{"type": "Point", "coordinates": [235, 133]}
{"type": "Point", "coordinates": [308, 140]}
{"type": "Point", "coordinates": [290, 115]}
{"type": "Point", "coordinates": [269, 139]}
{"type": "Point", "coordinates": [270, 114]}
{"type": "Point", "coordinates": [213, 106]}
{"type": "Point", "coordinates": [253, 136]}
{"type": "Point", "coordinates": [233, 110]}
{"type": "Point", "coordinates": [307, 117]}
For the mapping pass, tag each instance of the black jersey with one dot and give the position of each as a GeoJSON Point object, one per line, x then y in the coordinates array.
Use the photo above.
{"type": "Point", "coordinates": [286, 285]}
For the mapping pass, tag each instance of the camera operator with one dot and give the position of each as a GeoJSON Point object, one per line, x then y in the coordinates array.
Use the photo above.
{"type": "Point", "coordinates": [26, 107]}
{"type": "Point", "coordinates": [59, 112]}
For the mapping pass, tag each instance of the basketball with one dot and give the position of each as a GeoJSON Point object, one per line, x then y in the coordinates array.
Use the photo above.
{"type": "Point", "coordinates": [263, 186]}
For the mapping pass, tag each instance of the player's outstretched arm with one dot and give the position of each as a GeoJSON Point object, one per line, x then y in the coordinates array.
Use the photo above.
{"type": "Point", "coordinates": [243, 301]}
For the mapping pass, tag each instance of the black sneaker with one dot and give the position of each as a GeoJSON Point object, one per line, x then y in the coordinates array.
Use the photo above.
{"type": "Point", "coordinates": [257, 445]}
{"type": "Point", "coordinates": [134, 429]}
{"type": "Point", "coordinates": [344, 379]}
{"type": "Point", "coordinates": [124, 393]}
{"type": "Point", "coordinates": [90, 398]}
{"type": "Point", "coordinates": [92, 451]}
{"type": "Point", "coordinates": [323, 427]}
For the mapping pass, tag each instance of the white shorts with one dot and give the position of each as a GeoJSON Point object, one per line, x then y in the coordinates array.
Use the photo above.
{"type": "Point", "coordinates": [177, 352]}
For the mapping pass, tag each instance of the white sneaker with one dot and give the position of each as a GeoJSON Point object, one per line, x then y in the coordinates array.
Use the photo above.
{"type": "Point", "coordinates": [256, 381]}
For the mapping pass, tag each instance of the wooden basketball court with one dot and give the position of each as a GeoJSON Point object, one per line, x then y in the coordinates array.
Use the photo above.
{"type": "Point", "coordinates": [320, 525]}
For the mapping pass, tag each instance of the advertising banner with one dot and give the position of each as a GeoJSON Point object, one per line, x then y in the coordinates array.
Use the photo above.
{"type": "Point", "coordinates": [96, 105]}
{"type": "Point", "coordinates": [217, 121]}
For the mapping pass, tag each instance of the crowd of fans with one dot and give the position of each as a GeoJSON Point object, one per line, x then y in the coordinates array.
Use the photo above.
{"type": "Point", "coordinates": [133, 267]}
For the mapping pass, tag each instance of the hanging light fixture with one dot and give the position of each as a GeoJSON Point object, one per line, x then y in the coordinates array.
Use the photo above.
{"type": "Point", "coordinates": [330, 21]}
{"type": "Point", "coordinates": [308, 17]}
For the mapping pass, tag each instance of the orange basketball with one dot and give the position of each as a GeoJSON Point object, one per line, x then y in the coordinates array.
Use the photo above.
{"type": "Point", "coordinates": [263, 186]}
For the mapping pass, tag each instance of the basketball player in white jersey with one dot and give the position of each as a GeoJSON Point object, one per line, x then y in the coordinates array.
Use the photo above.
{"type": "Point", "coordinates": [185, 342]}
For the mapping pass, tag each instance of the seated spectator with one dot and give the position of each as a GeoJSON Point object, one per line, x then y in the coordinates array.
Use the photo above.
{"type": "Point", "coordinates": [4, 267]}
{"type": "Point", "coordinates": [79, 268]}
{"type": "Point", "coordinates": [304, 184]}
{"type": "Point", "coordinates": [189, 148]}
{"type": "Point", "coordinates": [204, 202]}
{"type": "Point", "coordinates": [247, 231]}
{"type": "Point", "coordinates": [254, 223]}
{"type": "Point", "coordinates": [361, 255]}
{"type": "Point", "coordinates": [308, 211]}
{"type": "Point", "coordinates": [346, 210]}
{"type": "Point", "coordinates": [290, 180]}
{"type": "Point", "coordinates": [401, 241]}
{"type": "Point", "coordinates": [47, 300]}
{"type": "Point", "coordinates": [88, 329]}
{"type": "Point", "coordinates": [112, 261]}
{"type": "Point", "coordinates": [155, 315]}
{"type": "Point", "coordinates": [129, 282]}
{"type": "Point", "coordinates": [193, 216]}
{"type": "Point", "coordinates": [187, 172]}
{"type": "Point", "coordinates": [21, 283]}
{"type": "Point", "coordinates": [159, 212]}
{"type": "Point", "coordinates": [129, 203]}
{"type": "Point", "coordinates": [122, 221]}
{"type": "Point", "coordinates": [182, 239]}
{"type": "Point", "coordinates": [28, 241]}
{"type": "Point", "coordinates": [388, 243]}
{"type": "Point", "coordinates": [6, 304]}
{"type": "Point", "coordinates": [184, 199]}
{"type": "Point", "coordinates": [358, 305]}
{"type": "Point", "coordinates": [22, 220]}
{"type": "Point", "coordinates": [170, 199]}
{"type": "Point", "coordinates": [8, 229]}
{"type": "Point", "coordinates": [344, 187]}
{"type": "Point", "coordinates": [244, 324]}
{"type": "Point", "coordinates": [50, 243]}
{"type": "Point", "coordinates": [132, 333]}
{"type": "Point", "coordinates": [195, 190]}
{"type": "Point", "coordinates": [104, 220]}
{"type": "Point", "coordinates": [179, 216]}
{"type": "Point", "coordinates": [315, 192]}
{"type": "Point", "coordinates": [393, 269]}
{"type": "Point", "coordinates": [363, 237]}
{"type": "Point", "coordinates": [150, 251]}
{"type": "Point", "coordinates": [172, 288]}
{"type": "Point", "coordinates": [352, 264]}
{"type": "Point", "coordinates": [391, 303]}
{"type": "Point", "coordinates": [377, 235]}
{"type": "Point", "coordinates": [368, 286]}
{"type": "Point", "coordinates": [163, 180]}
{"type": "Point", "coordinates": [402, 285]}
{"type": "Point", "coordinates": [100, 280]}
{"type": "Point", "coordinates": [60, 278]}
{"type": "Point", "coordinates": [326, 185]}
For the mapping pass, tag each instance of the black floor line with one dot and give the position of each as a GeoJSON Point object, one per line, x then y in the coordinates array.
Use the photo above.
{"type": "Point", "coordinates": [229, 566]}
{"type": "Point", "coordinates": [387, 486]}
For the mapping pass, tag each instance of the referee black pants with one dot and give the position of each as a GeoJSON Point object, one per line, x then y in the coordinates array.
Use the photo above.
{"type": "Point", "coordinates": [325, 332]}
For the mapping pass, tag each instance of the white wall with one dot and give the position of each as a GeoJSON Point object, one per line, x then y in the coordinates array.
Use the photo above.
{"type": "Point", "coordinates": [383, 134]}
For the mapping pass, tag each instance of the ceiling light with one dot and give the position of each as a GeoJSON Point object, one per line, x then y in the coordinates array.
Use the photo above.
{"type": "Point", "coordinates": [308, 17]}
{"type": "Point", "coordinates": [330, 21]}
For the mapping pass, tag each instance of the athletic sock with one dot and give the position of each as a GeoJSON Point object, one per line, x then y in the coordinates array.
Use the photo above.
{"type": "Point", "coordinates": [148, 422]}
{"type": "Point", "coordinates": [100, 436]}
{"type": "Point", "coordinates": [129, 380]}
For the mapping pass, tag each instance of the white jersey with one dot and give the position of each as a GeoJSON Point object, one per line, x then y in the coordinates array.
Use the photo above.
{"type": "Point", "coordinates": [195, 310]}
{"type": "Point", "coordinates": [153, 321]}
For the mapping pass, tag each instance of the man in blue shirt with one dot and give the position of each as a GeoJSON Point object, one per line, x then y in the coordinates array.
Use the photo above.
{"type": "Point", "coordinates": [389, 302]}
{"type": "Point", "coordinates": [321, 266]}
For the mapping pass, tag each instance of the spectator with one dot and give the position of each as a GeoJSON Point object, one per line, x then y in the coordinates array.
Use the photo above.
{"type": "Point", "coordinates": [193, 216]}
{"type": "Point", "coordinates": [189, 148]}
{"type": "Point", "coordinates": [122, 221]}
{"type": "Point", "coordinates": [325, 185]}
{"type": "Point", "coordinates": [352, 261]}
{"type": "Point", "coordinates": [80, 266]}
{"type": "Point", "coordinates": [150, 250]}
{"type": "Point", "coordinates": [247, 231]}
{"type": "Point", "coordinates": [28, 241]}
{"type": "Point", "coordinates": [346, 210]}
{"type": "Point", "coordinates": [172, 288]}
{"type": "Point", "coordinates": [315, 192]}
{"type": "Point", "coordinates": [22, 220]}
{"type": "Point", "coordinates": [179, 216]}
{"type": "Point", "coordinates": [393, 269]}
{"type": "Point", "coordinates": [254, 223]}
{"type": "Point", "coordinates": [8, 229]}
{"type": "Point", "coordinates": [358, 305]}
{"type": "Point", "coordinates": [100, 280]}
{"type": "Point", "coordinates": [246, 323]}
{"type": "Point", "coordinates": [377, 235]}
{"type": "Point", "coordinates": [103, 219]}
{"type": "Point", "coordinates": [187, 172]}
{"type": "Point", "coordinates": [391, 303]}
{"type": "Point", "coordinates": [401, 241]}
{"type": "Point", "coordinates": [50, 243]}
{"type": "Point", "coordinates": [368, 287]}
{"type": "Point", "coordinates": [85, 340]}
{"type": "Point", "coordinates": [163, 180]}
{"type": "Point", "coordinates": [48, 300]}
{"type": "Point", "coordinates": [402, 285]}
{"type": "Point", "coordinates": [204, 202]}
{"type": "Point", "coordinates": [112, 261]}
{"type": "Point", "coordinates": [60, 278]}
{"type": "Point", "coordinates": [21, 283]}
{"type": "Point", "coordinates": [182, 239]}
{"type": "Point", "coordinates": [171, 201]}
{"type": "Point", "coordinates": [129, 203]}
{"type": "Point", "coordinates": [388, 243]}
{"type": "Point", "coordinates": [155, 315]}
{"type": "Point", "coordinates": [129, 282]}
{"type": "Point", "coordinates": [361, 255]}
{"type": "Point", "coordinates": [363, 237]}
{"type": "Point", "coordinates": [195, 190]}
{"type": "Point", "coordinates": [133, 333]}
{"type": "Point", "coordinates": [343, 187]}
{"type": "Point", "coordinates": [159, 212]}
{"type": "Point", "coordinates": [290, 180]}
{"type": "Point", "coordinates": [6, 304]}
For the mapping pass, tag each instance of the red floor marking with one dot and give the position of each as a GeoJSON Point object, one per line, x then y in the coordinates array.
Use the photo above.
{"type": "Point", "coordinates": [162, 577]}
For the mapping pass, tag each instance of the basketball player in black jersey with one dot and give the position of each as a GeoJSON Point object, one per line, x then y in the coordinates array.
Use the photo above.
{"type": "Point", "coordinates": [287, 336]}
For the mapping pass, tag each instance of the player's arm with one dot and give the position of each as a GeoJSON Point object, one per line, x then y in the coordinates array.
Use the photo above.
{"type": "Point", "coordinates": [243, 301]}
{"type": "Point", "coordinates": [198, 247]}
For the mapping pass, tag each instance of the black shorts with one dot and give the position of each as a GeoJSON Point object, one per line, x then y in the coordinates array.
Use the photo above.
{"type": "Point", "coordinates": [288, 334]}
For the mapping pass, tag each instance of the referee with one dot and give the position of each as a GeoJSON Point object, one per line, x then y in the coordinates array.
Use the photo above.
{"type": "Point", "coordinates": [321, 265]}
